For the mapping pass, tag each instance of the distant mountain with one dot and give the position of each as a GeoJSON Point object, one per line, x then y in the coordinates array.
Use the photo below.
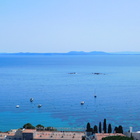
{"type": "Point", "coordinates": [99, 53]}
{"type": "Point", "coordinates": [76, 53]}
{"type": "Point", "coordinates": [87, 53]}
{"type": "Point", "coordinates": [68, 53]}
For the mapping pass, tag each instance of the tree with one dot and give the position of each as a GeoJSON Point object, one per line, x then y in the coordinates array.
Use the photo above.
{"type": "Point", "coordinates": [40, 127]}
{"type": "Point", "coordinates": [95, 129]}
{"type": "Point", "coordinates": [88, 127]}
{"type": "Point", "coordinates": [109, 128]}
{"type": "Point", "coordinates": [28, 126]}
{"type": "Point", "coordinates": [49, 128]}
{"type": "Point", "coordinates": [104, 126]}
{"type": "Point", "coordinates": [100, 127]}
{"type": "Point", "coordinates": [120, 129]}
{"type": "Point", "coordinates": [116, 130]}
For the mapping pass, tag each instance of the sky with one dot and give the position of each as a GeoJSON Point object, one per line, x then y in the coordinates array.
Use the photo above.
{"type": "Point", "coordinates": [47, 26]}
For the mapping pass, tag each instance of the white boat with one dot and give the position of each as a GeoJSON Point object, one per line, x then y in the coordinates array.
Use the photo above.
{"type": "Point", "coordinates": [82, 102]}
{"type": "Point", "coordinates": [39, 105]}
{"type": "Point", "coordinates": [31, 99]}
{"type": "Point", "coordinates": [17, 106]}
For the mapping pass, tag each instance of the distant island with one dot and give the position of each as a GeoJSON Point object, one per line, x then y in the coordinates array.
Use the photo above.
{"type": "Point", "coordinates": [75, 53]}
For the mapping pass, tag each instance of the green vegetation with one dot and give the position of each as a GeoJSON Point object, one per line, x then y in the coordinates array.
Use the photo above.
{"type": "Point", "coordinates": [117, 138]}
{"type": "Point", "coordinates": [100, 127]}
{"type": "Point", "coordinates": [28, 126]}
{"type": "Point", "coordinates": [105, 128]}
{"type": "Point", "coordinates": [109, 128]}
{"type": "Point", "coordinates": [95, 129]}
{"type": "Point", "coordinates": [39, 127]}
{"type": "Point", "coordinates": [89, 129]}
{"type": "Point", "coordinates": [118, 129]}
{"type": "Point", "coordinates": [50, 128]}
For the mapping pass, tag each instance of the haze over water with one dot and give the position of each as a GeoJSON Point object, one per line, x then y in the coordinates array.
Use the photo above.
{"type": "Point", "coordinates": [47, 80]}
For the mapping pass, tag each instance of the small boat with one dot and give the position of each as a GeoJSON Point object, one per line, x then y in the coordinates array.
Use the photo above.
{"type": "Point", "coordinates": [39, 105]}
{"type": "Point", "coordinates": [72, 73]}
{"type": "Point", "coordinates": [82, 102]}
{"type": "Point", "coordinates": [17, 106]}
{"type": "Point", "coordinates": [31, 99]}
{"type": "Point", "coordinates": [95, 93]}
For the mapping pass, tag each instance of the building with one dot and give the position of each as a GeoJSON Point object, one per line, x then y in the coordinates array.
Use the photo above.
{"type": "Point", "coordinates": [32, 134]}
{"type": "Point", "coordinates": [3, 136]}
{"type": "Point", "coordinates": [99, 136]}
{"type": "Point", "coordinates": [135, 135]}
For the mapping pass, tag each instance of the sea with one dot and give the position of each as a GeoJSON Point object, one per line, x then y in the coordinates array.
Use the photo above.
{"type": "Point", "coordinates": [60, 82]}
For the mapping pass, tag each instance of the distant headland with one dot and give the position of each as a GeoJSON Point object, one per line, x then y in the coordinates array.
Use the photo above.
{"type": "Point", "coordinates": [75, 53]}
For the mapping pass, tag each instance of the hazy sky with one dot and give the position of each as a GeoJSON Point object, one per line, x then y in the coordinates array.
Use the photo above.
{"type": "Point", "coordinates": [69, 25]}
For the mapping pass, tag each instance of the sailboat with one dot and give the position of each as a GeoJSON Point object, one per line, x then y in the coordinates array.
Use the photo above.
{"type": "Point", "coordinates": [31, 99]}
{"type": "Point", "coordinates": [95, 94]}
{"type": "Point", "coordinates": [17, 106]}
{"type": "Point", "coordinates": [39, 105]}
{"type": "Point", "coordinates": [82, 102]}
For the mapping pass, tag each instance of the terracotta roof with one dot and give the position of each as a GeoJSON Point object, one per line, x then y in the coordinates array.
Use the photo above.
{"type": "Point", "coordinates": [99, 136]}
{"type": "Point", "coordinates": [59, 135]}
{"type": "Point", "coordinates": [2, 135]}
{"type": "Point", "coordinates": [28, 131]}
{"type": "Point", "coordinates": [11, 134]}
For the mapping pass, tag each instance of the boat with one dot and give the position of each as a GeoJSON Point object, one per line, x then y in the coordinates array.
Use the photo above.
{"type": "Point", "coordinates": [31, 99]}
{"type": "Point", "coordinates": [95, 94]}
{"type": "Point", "coordinates": [72, 73]}
{"type": "Point", "coordinates": [82, 102]}
{"type": "Point", "coordinates": [39, 105]}
{"type": "Point", "coordinates": [17, 106]}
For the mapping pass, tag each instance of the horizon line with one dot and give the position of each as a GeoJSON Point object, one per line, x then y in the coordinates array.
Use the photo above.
{"type": "Point", "coordinates": [78, 51]}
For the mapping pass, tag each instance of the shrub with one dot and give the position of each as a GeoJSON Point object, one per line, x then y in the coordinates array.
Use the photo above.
{"type": "Point", "coordinates": [28, 126]}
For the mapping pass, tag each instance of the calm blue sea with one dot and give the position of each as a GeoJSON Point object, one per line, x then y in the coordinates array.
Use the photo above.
{"type": "Point", "coordinates": [46, 78]}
